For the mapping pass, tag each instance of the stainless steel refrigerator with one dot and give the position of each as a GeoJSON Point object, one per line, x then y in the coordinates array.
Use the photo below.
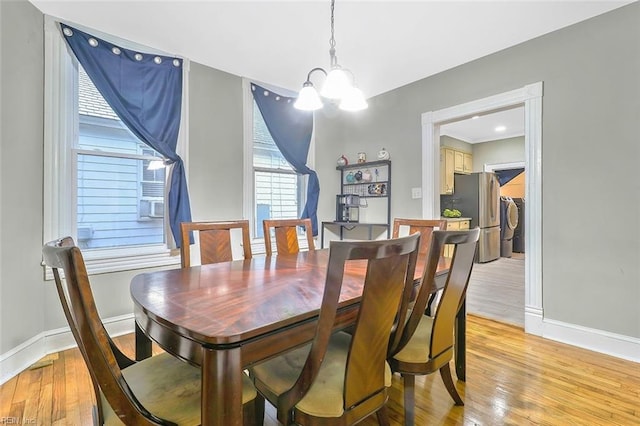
{"type": "Point", "coordinates": [478, 196]}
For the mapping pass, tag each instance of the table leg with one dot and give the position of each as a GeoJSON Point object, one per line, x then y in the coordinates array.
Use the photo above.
{"type": "Point", "coordinates": [461, 345]}
{"type": "Point", "coordinates": [221, 399]}
{"type": "Point", "coordinates": [322, 237]}
{"type": "Point", "coordinates": [143, 344]}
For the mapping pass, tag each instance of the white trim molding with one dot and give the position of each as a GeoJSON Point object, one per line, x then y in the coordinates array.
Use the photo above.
{"type": "Point", "coordinates": [24, 355]}
{"type": "Point", "coordinates": [601, 341]}
{"type": "Point", "coordinates": [531, 97]}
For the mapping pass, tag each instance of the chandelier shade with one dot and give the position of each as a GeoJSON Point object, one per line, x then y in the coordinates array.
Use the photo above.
{"type": "Point", "coordinates": [353, 100]}
{"type": "Point", "coordinates": [308, 99]}
{"type": "Point", "coordinates": [339, 84]}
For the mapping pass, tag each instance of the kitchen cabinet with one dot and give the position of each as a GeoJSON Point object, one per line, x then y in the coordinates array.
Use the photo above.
{"type": "Point", "coordinates": [463, 162]}
{"type": "Point", "coordinates": [453, 161]}
{"type": "Point", "coordinates": [467, 163]}
{"type": "Point", "coordinates": [456, 224]}
{"type": "Point", "coordinates": [458, 161]}
{"type": "Point", "coordinates": [447, 163]}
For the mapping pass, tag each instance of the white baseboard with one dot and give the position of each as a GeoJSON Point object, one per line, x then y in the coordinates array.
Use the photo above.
{"type": "Point", "coordinates": [601, 341]}
{"type": "Point", "coordinates": [605, 342]}
{"type": "Point", "coordinates": [29, 352]}
{"type": "Point", "coordinates": [533, 320]}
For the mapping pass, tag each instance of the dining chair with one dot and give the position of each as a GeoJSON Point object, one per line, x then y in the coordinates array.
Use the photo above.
{"type": "Point", "coordinates": [285, 232]}
{"type": "Point", "coordinates": [425, 344]}
{"type": "Point", "coordinates": [160, 390]}
{"type": "Point", "coordinates": [426, 228]}
{"type": "Point", "coordinates": [341, 378]}
{"type": "Point", "coordinates": [215, 241]}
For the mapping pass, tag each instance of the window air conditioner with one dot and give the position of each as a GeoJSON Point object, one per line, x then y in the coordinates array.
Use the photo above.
{"type": "Point", "coordinates": [156, 209]}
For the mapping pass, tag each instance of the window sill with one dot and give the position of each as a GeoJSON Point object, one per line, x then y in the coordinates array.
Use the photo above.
{"type": "Point", "coordinates": [119, 260]}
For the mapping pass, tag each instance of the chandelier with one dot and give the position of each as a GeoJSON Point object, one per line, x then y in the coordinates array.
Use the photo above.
{"type": "Point", "coordinates": [339, 84]}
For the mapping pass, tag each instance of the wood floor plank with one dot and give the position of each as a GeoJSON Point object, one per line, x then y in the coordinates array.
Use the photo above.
{"type": "Point", "coordinates": [512, 379]}
{"type": "Point", "coordinates": [496, 290]}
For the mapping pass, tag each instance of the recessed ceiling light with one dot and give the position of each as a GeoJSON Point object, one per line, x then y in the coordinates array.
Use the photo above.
{"type": "Point", "coordinates": [475, 117]}
{"type": "Point", "coordinates": [500, 129]}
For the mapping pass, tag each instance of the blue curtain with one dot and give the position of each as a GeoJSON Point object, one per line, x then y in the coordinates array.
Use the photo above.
{"type": "Point", "coordinates": [291, 131]}
{"type": "Point", "coordinates": [505, 176]}
{"type": "Point", "coordinates": [145, 91]}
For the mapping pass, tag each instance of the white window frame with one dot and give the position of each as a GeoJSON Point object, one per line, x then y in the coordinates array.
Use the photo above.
{"type": "Point", "coordinates": [257, 244]}
{"type": "Point", "coordinates": [60, 132]}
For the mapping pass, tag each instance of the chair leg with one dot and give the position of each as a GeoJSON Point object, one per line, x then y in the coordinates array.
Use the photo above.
{"type": "Point", "coordinates": [409, 399]}
{"type": "Point", "coordinates": [383, 416]}
{"type": "Point", "coordinates": [445, 373]}
{"type": "Point", "coordinates": [253, 413]}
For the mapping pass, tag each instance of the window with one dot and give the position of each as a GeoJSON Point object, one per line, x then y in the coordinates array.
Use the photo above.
{"type": "Point", "coordinates": [272, 189]}
{"type": "Point", "coordinates": [103, 186]}
{"type": "Point", "coordinates": [119, 198]}
{"type": "Point", "coordinates": [276, 186]}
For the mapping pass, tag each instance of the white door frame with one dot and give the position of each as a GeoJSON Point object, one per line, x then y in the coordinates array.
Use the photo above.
{"type": "Point", "coordinates": [531, 97]}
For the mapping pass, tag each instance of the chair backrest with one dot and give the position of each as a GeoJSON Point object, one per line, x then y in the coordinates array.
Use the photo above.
{"type": "Point", "coordinates": [457, 280]}
{"type": "Point", "coordinates": [286, 235]}
{"type": "Point", "coordinates": [390, 267]}
{"type": "Point", "coordinates": [104, 361]}
{"type": "Point", "coordinates": [215, 241]}
{"type": "Point", "coordinates": [424, 226]}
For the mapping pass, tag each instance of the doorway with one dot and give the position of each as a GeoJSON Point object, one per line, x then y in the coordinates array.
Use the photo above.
{"type": "Point", "coordinates": [531, 97]}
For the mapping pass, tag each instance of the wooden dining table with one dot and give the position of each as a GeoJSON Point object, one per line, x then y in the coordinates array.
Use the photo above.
{"type": "Point", "coordinates": [224, 317]}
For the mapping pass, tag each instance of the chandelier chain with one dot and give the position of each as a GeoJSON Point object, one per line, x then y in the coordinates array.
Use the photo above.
{"type": "Point", "coordinates": [332, 40]}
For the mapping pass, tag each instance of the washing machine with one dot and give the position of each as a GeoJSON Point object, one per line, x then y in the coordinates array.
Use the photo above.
{"type": "Point", "coordinates": [518, 233]}
{"type": "Point", "coordinates": [508, 223]}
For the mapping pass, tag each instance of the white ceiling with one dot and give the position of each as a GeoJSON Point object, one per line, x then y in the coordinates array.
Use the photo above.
{"type": "Point", "coordinates": [487, 127]}
{"type": "Point", "coordinates": [387, 44]}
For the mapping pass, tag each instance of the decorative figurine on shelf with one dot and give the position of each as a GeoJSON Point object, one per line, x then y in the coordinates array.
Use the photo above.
{"type": "Point", "coordinates": [350, 178]}
{"type": "Point", "coordinates": [342, 161]}
{"type": "Point", "coordinates": [366, 176]}
{"type": "Point", "coordinates": [362, 157]}
{"type": "Point", "coordinates": [383, 154]}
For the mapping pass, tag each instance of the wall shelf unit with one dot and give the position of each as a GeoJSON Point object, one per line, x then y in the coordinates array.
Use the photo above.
{"type": "Point", "coordinates": [368, 181]}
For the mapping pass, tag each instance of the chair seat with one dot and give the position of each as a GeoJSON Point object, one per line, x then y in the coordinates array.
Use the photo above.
{"type": "Point", "coordinates": [417, 349]}
{"type": "Point", "coordinates": [169, 388]}
{"type": "Point", "coordinates": [325, 397]}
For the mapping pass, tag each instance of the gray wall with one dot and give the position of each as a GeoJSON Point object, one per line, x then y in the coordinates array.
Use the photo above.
{"type": "Point", "coordinates": [215, 144]}
{"type": "Point", "coordinates": [456, 144]}
{"type": "Point", "coordinates": [590, 153]}
{"type": "Point", "coordinates": [21, 286]}
{"type": "Point", "coordinates": [509, 150]}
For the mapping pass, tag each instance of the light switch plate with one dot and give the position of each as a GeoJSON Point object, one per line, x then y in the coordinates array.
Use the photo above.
{"type": "Point", "coordinates": [416, 192]}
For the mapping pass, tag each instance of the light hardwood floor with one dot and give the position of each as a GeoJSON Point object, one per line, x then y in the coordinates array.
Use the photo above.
{"type": "Point", "coordinates": [512, 379]}
{"type": "Point", "coordinates": [496, 290]}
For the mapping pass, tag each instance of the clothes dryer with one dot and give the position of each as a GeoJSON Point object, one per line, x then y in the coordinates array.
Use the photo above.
{"type": "Point", "coordinates": [518, 233]}
{"type": "Point", "coordinates": [508, 223]}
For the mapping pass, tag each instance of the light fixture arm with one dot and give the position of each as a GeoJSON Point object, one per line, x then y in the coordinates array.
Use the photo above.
{"type": "Point", "coordinates": [308, 82]}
